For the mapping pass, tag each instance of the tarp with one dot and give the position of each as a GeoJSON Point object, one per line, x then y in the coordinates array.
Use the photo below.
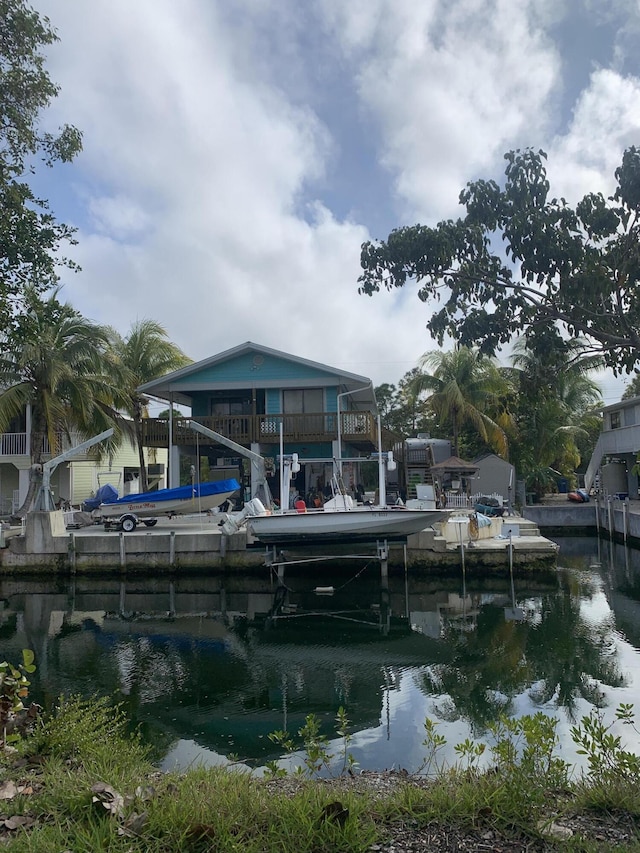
{"type": "Point", "coordinates": [105, 495]}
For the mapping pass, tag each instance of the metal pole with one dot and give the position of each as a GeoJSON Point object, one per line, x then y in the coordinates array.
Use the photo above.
{"type": "Point", "coordinates": [513, 592]}
{"type": "Point", "coordinates": [169, 460]}
{"type": "Point", "coordinates": [406, 583]}
{"type": "Point", "coordinates": [283, 506]}
{"type": "Point", "coordinates": [382, 482]}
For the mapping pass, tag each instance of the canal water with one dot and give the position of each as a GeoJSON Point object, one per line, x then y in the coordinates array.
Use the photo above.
{"type": "Point", "coordinates": [209, 667]}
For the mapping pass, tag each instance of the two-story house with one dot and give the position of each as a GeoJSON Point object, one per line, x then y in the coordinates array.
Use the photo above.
{"type": "Point", "coordinates": [613, 462]}
{"type": "Point", "coordinates": [269, 402]}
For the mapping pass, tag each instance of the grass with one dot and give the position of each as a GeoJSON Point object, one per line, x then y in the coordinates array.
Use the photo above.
{"type": "Point", "coordinates": [85, 785]}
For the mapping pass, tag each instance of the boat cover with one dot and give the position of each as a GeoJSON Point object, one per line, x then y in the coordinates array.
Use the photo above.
{"type": "Point", "coordinates": [181, 493]}
{"type": "Point", "coordinates": [105, 494]}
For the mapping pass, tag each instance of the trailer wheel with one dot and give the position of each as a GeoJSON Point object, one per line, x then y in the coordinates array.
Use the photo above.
{"type": "Point", "coordinates": [128, 523]}
{"type": "Point", "coordinates": [150, 522]}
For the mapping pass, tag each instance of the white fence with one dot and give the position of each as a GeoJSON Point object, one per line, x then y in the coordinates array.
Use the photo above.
{"type": "Point", "coordinates": [456, 501]}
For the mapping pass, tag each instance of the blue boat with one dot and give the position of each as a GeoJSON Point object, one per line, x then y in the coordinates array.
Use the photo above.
{"type": "Point", "coordinates": [124, 512]}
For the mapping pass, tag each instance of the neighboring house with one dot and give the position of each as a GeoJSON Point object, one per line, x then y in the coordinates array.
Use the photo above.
{"type": "Point", "coordinates": [259, 397]}
{"type": "Point", "coordinates": [613, 461]}
{"type": "Point", "coordinates": [72, 481]}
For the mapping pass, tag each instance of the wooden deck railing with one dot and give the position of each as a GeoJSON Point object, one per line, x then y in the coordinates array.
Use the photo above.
{"type": "Point", "coordinates": [356, 427]}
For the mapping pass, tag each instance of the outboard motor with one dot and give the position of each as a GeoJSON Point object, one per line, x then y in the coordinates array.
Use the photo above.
{"type": "Point", "coordinates": [235, 520]}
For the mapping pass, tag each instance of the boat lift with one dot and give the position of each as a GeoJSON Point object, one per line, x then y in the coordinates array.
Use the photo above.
{"type": "Point", "coordinates": [44, 498]}
{"type": "Point", "coordinates": [258, 464]}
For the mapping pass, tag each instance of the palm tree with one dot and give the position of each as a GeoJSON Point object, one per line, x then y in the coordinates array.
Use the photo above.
{"type": "Point", "coordinates": [59, 364]}
{"type": "Point", "coordinates": [557, 401]}
{"type": "Point", "coordinates": [144, 354]}
{"type": "Point", "coordinates": [465, 388]}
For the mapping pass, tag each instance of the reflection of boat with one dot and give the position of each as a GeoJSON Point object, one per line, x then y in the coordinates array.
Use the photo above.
{"type": "Point", "coordinates": [352, 524]}
{"type": "Point", "coordinates": [124, 512]}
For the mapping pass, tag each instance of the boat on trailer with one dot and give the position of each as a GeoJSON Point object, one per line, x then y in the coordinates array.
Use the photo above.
{"type": "Point", "coordinates": [126, 512]}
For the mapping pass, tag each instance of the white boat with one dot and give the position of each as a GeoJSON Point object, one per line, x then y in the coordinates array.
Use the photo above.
{"type": "Point", "coordinates": [339, 520]}
{"type": "Point", "coordinates": [356, 524]}
{"type": "Point", "coordinates": [147, 506]}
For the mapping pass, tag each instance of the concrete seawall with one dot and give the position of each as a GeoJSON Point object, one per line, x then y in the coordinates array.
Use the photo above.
{"type": "Point", "coordinates": [183, 545]}
{"type": "Point", "coordinates": [619, 519]}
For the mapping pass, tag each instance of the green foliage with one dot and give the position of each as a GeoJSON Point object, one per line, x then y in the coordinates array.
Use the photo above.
{"type": "Point", "coordinates": [59, 363]}
{"type": "Point", "coordinates": [576, 268]}
{"type": "Point", "coordinates": [556, 409]}
{"type": "Point", "coordinates": [30, 237]}
{"type": "Point", "coordinates": [89, 786]}
{"type": "Point", "coordinates": [14, 689]}
{"type": "Point", "coordinates": [466, 388]}
{"type": "Point", "coordinates": [632, 389]}
{"type": "Point", "coordinates": [607, 760]}
{"type": "Point", "coordinates": [317, 756]}
{"type": "Point", "coordinates": [433, 743]}
{"type": "Point", "coordinates": [143, 355]}
{"type": "Point", "coordinates": [82, 729]}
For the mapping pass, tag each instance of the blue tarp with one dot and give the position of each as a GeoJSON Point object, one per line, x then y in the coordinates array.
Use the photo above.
{"type": "Point", "coordinates": [106, 494]}
{"type": "Point", "coordinates": [183, 493]}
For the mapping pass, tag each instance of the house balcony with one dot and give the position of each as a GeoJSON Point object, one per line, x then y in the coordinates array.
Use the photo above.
{"type": "Point", "coordinates": [358, 429]}
{"type": "Point", "coordinates": [16, 444]}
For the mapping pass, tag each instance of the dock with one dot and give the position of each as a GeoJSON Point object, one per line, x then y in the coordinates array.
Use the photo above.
{"type": "Point", "coordinates": [196, 543]}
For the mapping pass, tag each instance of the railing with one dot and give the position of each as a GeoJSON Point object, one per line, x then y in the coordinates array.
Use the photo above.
{"type": "Point", "coordinates": [457, 501]}
{"type": "Point", "coordinates": [17, 444]}
{"type": "Point", "coordinates": [13, 444]}
{"type": "Point", "coordinates": [265, 429]}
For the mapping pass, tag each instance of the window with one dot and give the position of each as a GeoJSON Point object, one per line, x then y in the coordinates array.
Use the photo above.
{"type": "Point", "coordinates": [296, 401]}
{"type": "Point", "coordinates": [614, 420]}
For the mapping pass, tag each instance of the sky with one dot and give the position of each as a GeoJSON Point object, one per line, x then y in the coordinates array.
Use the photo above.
{"type": "Point", "coordinates": [237, 153]}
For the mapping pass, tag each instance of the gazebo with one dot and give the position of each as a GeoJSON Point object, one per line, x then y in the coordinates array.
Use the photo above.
{"type": "Point", "coordinates": [453, 476]}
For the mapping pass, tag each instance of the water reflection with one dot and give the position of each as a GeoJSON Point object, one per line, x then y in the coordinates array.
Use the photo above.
{"type": "Point", "coordinates": [210, 666]}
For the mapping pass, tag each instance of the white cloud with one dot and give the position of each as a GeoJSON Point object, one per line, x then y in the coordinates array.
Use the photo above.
{"type": "Point", "coordinates": [453, 87]}
{"type": "Point", "coordinates": [210, 136]}
{"type": "Point", "coordinates": [606, 120]}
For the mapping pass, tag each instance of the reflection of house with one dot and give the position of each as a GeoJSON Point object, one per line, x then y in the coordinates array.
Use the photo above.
{"type": "Point", "coordinates": [72, 481]}
{"type": "Point", "coordinates": [617, 449]}
{"type": "Point", "coordinates": [253, 395]}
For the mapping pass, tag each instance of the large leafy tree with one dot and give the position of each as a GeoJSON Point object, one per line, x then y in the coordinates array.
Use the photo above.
{"type": "Point", "coordinates": [60, 365]}
{"type": "Point", "coordinates": [466, 388]}
{"type": "Point", "coordinates": [557, 408]}
{"type": "Point", "coordinates": [402, 408]}
{"type": "Point", "coordinates": [144, 354]}
{"type": "Point", "coordinates": [30, 236]}
{"type": "Point", "coordinates": [632, 388]}
{"type": "Point", "coordinates": [520, 260]}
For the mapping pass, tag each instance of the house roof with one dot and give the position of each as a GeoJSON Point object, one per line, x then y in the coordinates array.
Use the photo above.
{"type": "Point", "coordinates": [178, 384]}
{"type": "Point", "coordinates": [454, 465]}
{"type": "Point", "coordinates": [484, 456]}
{"type": "Point", "coordinates": [629, 403]}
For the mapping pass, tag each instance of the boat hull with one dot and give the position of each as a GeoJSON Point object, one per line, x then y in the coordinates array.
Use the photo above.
{"type": "Point", "coordinates": [180, 501]}
{"type": "Point", "coordinates": [357, 525]}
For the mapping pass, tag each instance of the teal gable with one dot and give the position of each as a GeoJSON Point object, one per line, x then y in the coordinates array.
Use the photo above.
{"type": "Point", "coordinates": [254, 370]}
{"type": "Point", "coordinates": [252, 378]}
